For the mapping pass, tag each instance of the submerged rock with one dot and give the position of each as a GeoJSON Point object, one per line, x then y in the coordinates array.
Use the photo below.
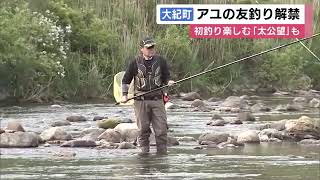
{"type": "Point", "coordinates": [60, 123]}
{"type": "Point", "coordinates": [231, 142]}
{"type": "Point", "coordinates": [236, 121]}
{"type": "Point", "coordinates": [300, 100]}
{"type": "Point", "coordinates": [289, 107]}
{"type": "Point", "coordinates": [186, 139]}
{"type": "Point", "coordinates": [260, 107]}
{"type": "Point", "coordinates": [312, 142]}
{"type": "Point", "coordinates": [266, 90]}
{"type": "Point", "coordinates": [197, 103]}
{"type": "Point", "coordinates": [216, 117]}
{"type": "Point", "coordinates": [245, 116]}
{"type": "Point", "coordinates": [96, 118]}
{"type": "Point", "coordinates": [172, 141]}
{"type": "Point", "coordinates": [79, 143]}
{"type": "Point", "coordinates": [294, 107]}
{"type": "Point", "coordinates": [126, 145]}
{"type": "Point", "coordinates": [214, 99]}
{"type": "Point", "coordinates": [213, 137]}
{"type": "Point", "coordinates": [76, 118]}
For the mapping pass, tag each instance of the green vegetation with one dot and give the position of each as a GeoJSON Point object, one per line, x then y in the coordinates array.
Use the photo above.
{"type": "Point", "coordinates": [71, 49]}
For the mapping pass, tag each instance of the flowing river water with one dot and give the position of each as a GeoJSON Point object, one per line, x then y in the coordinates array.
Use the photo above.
{"type": "Point", "coordinates": [270, 161]}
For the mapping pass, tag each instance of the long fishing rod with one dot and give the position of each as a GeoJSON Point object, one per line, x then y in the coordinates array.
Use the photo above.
{"type": "Point", "coordinates": [225, 65]}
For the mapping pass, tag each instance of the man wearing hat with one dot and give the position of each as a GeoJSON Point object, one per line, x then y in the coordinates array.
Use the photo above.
{"type": "Point", "coordinates": [149, 71]}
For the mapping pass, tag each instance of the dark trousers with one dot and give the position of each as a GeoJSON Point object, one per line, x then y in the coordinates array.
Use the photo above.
{"type": "Point", "coordinates": [151, 112]}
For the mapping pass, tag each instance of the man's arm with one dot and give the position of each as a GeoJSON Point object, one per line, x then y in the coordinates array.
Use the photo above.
{"type": "Point", "coordinates": [127, 78]}
{"type": "Point", "coordinates": [165, 72]}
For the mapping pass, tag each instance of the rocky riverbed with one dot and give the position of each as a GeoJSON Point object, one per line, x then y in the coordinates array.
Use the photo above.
{"type": "Point", "coordinates": [246, 137]}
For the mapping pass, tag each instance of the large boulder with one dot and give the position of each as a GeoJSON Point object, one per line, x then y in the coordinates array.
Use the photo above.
{"type": "Point", "coordinates": [15, 126]}
{"type": "Point", "coordinates": [213, 137]}
{"type": "Point", "coordinates": [314, 103]}
{"type": "Point", "coordinates": [128, 131]}
{"type": "Point", "coordinates": [191, 96]}
{"type": "Point", "coordinates": [76, 118]}
{"type": "Point", "coordinates": [111, 135]}
{"type": "Point", "coordinates": [235, 102]}
{"type": "Point", "coordinates": [55, 133]}
{"type": "Point", "coordinates": [19, 139]}
{"type": "Point", "coordinates": [248, 137]}
{"type": "Point", "coordinates": [79, 143]}
{"type": "Point", "coordinates": [108, 123]}
{"type": "Point", "coordinates": [303, 126]}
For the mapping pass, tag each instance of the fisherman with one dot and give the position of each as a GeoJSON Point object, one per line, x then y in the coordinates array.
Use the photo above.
{"type": "Point", "coordinates": [149, 71]}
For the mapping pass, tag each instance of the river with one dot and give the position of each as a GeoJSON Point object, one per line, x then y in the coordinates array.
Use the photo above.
{"type": "Point", "coordinates": [284, 160]}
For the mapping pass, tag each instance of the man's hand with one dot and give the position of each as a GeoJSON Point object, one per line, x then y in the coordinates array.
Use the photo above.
{"type": "Point", "coordinates": [171, 82]}
{"type": "Point", "coordinates": [124, 99]}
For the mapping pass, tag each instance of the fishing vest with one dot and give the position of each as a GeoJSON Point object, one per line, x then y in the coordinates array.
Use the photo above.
{"type": "Point", "coordinates": [146, 81]}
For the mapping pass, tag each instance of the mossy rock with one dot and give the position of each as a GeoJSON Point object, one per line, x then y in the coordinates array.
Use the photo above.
{"type": "Point", "coordinates": [108, 123]}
